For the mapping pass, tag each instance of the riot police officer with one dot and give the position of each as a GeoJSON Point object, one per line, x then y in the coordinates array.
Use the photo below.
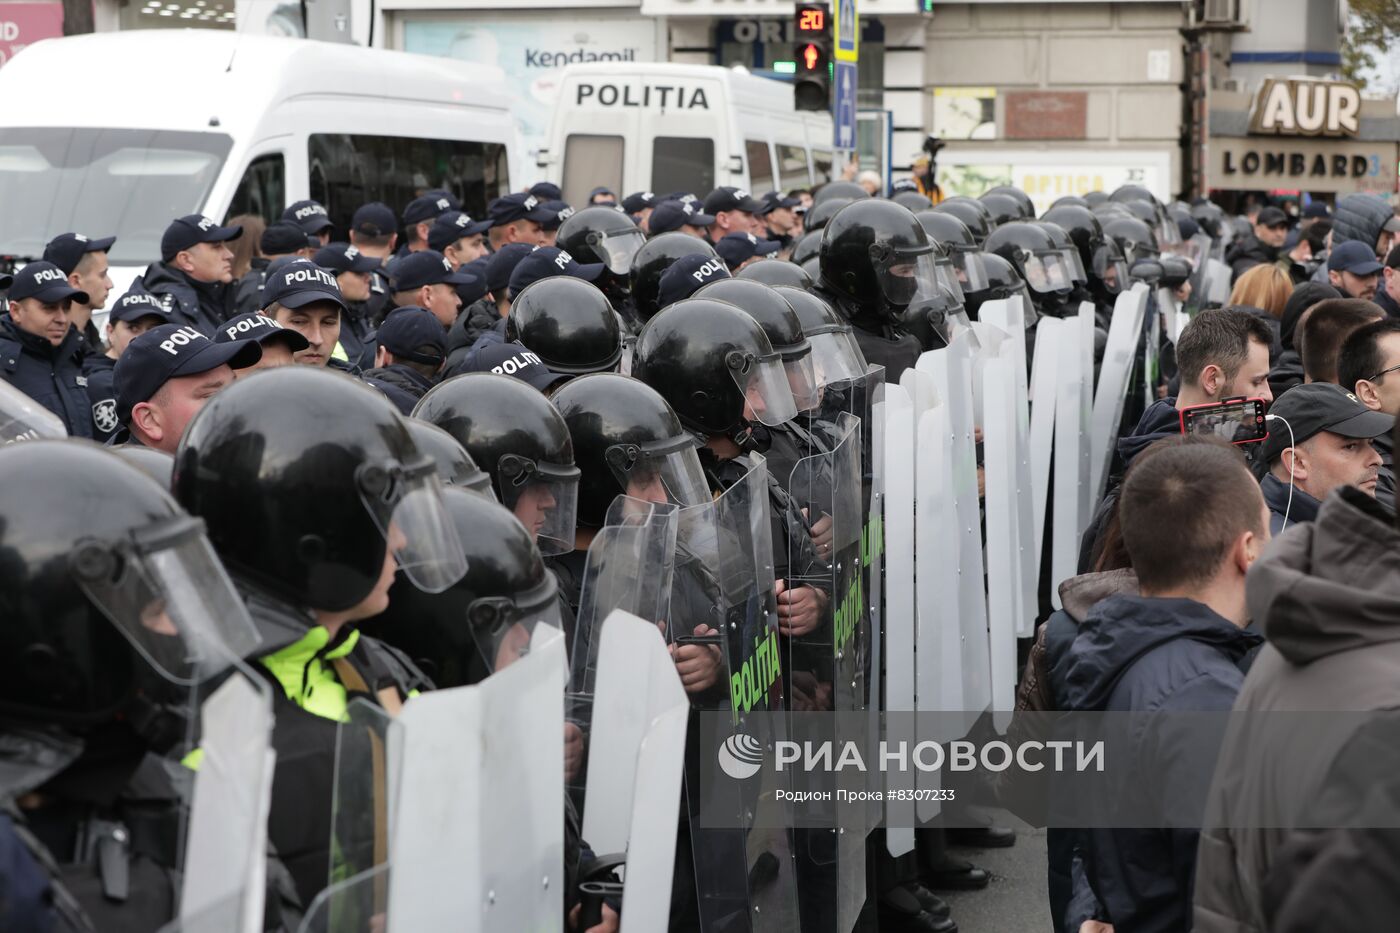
{"type": "Point", "coordinates": [651, 262]}
{"type": "Point", "coordinates": [877, 269]}
{"type": "Point", "coordinates": [454, 465]}
{"type": "Point", "coordinates": [311, 506]}
{"type": "Point", "coordinates": [513, 433]}
{"type": "Point", "coordinates": [603, 234]}
{"type": "Point", "coordinates": [1102, 259]}
{"type": "Point", "coordinates": [1039, 260]}
{"type": "Point", "coordinates": [97, 687]}
{"type": "Point", "coordinates": [972, 213]}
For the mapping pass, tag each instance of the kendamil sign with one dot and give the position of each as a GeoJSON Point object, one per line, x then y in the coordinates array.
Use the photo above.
{"type": "Point", "coordinates": [1300, 134]}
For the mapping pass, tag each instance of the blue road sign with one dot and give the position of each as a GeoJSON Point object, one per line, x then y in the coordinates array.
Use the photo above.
{"type": "Point", "coordinates": [847, 31]}
{"type": "Point", "coordinates": [843, 107]}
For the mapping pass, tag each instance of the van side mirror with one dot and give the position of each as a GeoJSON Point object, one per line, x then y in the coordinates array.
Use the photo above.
{"type": "Point", "coordinates": [542, 159]}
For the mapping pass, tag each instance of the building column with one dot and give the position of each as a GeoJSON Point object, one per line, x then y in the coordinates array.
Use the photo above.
{"type": "Point", "coordinates": [906, 90]}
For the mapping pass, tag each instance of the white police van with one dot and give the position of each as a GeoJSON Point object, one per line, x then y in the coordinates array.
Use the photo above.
{"type": "Point", "coordinates": [120, 133]}
{"type": "Point", "coordinates": [663, 127]}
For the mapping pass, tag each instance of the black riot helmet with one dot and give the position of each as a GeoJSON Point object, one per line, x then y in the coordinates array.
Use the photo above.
{"type": "Point", "coordinates": [485, 620]}
{"type": "Point", "coordinates": [1134, 238]}
{"type": "Point", "coordinates": [1095, 198]}
{"type": "Point", "coordinates": [1037, 258]}
{"type": "Point", "coordinates": [1176, 271]}
{"type": "Point", "coordinates": [1003, 281]}
{"type": "Point", "coordinates": [157, 464]}
{"type": "Point", "coordinates": [836, 356]}
{"type": "Point", "coordinates": [568, 323]}
{"type": "Point", "coordinates": [839, 189]}
{"type": "Point", "coordinates": [806, 249]}
{"type": "Point", "coordinates": [1099, 254]}
{"type": "Point", "coordinates": [960, 246]}
{"type": "Point", "coordinates": [777, 273]}
{"type": "Point", "coordinates": [1005, 209]}
{"type": "Point", "coordinates": [876, 255]}
{"type": "Point", "coordinates": [107, 588]}
{"type": "Point", "coordinates": [820, 214]}
{"type": "Point", "coordinates": [1068, 200]}
{"type": "Point", "coordinates": [715, 366]}
{"type": "Point", "coordinates": [1210, 217]}
{"type": "Point", "coordinates": [628, 441]}
{"type": "Point", "coordinates": [454, 465]}
{"type": "Point", "coordinates": [601, 234]}
{"type": "Point", "coordinates": [1061, 238]}
{"type": "Point", "coordinates": [784, 329]}
{"type": "Point", "coordinates": [971, 212]}
{"type": "Point", "coordinates": [1017, 195]}
{"type": "Point", "coordinates": [513, 433]}
{"type": "Point", "coordinates": [1155, 216]}
{"type": "Point", "coordinates": [304, 477]}
{"type": "Point", "coordinates": [913, 200]}
{"type": "Point", "coordinates": [652, 261]}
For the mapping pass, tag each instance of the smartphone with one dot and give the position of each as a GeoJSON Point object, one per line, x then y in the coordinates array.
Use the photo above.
{"type": "Point", "coordinates": [1235, 420]}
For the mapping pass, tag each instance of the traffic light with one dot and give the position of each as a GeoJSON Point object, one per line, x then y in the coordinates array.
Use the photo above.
{"type": "Point", "coordinates": [812, 81]}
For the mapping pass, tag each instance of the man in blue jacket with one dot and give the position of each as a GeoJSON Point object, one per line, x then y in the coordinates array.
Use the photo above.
{"type": "Point", "coordinates": [1193, 522]}
{"type": "Point", "coordinates": [41, 352]}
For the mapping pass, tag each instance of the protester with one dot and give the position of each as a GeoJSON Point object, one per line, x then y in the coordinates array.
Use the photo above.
{"type": "Point", "coordinates": [1266, 287]}
{"type": "Point", "coordinates": [1326, 327]}
{"type": "Point", "coordinates": [1353, 270]}
{"type": "Point", "coordinates": [1367, 367]}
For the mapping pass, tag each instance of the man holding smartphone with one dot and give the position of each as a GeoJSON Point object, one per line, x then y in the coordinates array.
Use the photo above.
{"type": "Point", "coordinates": [1319, 440]}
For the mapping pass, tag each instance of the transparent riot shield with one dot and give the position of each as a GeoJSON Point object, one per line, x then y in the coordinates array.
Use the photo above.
{"type": "Point", "coordinates": [1218, 283]}
{"type": "Point", "coordinates": [1005, 537]}
{"type": "Point", "coordinates": [899, 596]}
{"type": "Point", "coordinates": [1073, 407]}
{"type": "Point", "coordinates": [23, 419]}
{"type": "Point", "coordinates": [744, 868]}
{"type": "Point", "coordinates": [637, 762]}
{"type": "Point", "coordinates": [1123, 333]}
{"type": "Point", "coordinates": [628, 569]}
{"type": "Point", "coordinates": [477, 822]}
{"type": "Point", "coordinates": [827, 642]}
{"type": "Point", "coordinates": [1151, 366]}
{"type": "Point", "coordinates": [1049, 333]}
{"type": "Point", "coordinates": [225, 864]}
{"type": "Point", "coordinates": [1010, 316]}
{"type": "Point", "coordinates": [356, 897]}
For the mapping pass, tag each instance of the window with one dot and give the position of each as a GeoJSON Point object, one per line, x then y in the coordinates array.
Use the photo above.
{"type": "Point", "coordinates": [101, 181]}
{"type": "Point", "coordinates": [792, 166]}
{"type": "Point", "coordinates": [683, 163]}
{"type": "Point", "coordinates": [346, 171]}
{"type": "Point", "coordinates": [263, 190]}
{"type": "Point", "coordinates": [590, 162]}
{"type": "Point", "coordinates": [760, 166]}
{"type": "Point", "coordinates": [821, 167]}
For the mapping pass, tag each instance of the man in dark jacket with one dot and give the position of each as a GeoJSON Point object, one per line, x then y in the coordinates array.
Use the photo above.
{"type": "Point", "coordinates": [41, 352]}
{"type": "Point", "coordinates": [1368, 218]}
{"type": "Point", "coordinates": [132, 315]}
{"type": "Point", "coordinates": [412, 348]}
{"type": "Point", "coordinates": [281, 239]}
{"type": "Point", "coordinates": [1193, 522]}
{"type": "Point", "coordinates": [1369, 368]}
{"type": "Point", "coordinates": [1327, 597]}
{"type": "Point", "coordinates": [1262, 246]}
{"type": "Point", "coordinates": [1320, 439]}
{"type": "Point", "coordinates": [1288, 370]}
{"type": "Point", "coordinates": [1388, 292]}
{"type": "Point", "coordinates": [194, 278]}
{"type": "Point", "coordinates": [1223, 353]}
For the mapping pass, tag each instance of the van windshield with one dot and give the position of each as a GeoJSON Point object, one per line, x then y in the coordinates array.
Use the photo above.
{"type": "Point", "coordinates": [102, 182]}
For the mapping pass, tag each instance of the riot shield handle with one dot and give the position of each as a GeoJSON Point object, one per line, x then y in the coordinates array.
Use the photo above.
{"type": "Point", "coordinates": [681, 641]}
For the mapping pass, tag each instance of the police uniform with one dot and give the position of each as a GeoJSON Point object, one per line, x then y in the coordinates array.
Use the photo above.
{"type": "Point", "coordinates": [51, 375]}
{"type": "Point", "coordinates": [204, 305]}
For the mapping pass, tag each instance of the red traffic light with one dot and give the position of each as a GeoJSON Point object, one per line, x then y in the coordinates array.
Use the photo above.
{"type": "Point", "coordinates": [811, 55]}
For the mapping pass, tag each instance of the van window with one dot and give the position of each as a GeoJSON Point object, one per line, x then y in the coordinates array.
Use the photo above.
{"type": "Point", "coordinates": [263, 190]}
{"type": "Point", "coordinates": [123, 181]}
{"type": "Point", "coordinates": [683, 163]}
{"type": "Point", "coordinates": [590, 162]}
{"type": "Point", "coordinates": [346, 171]}
{"type": "Point", "coordinates": [760, 165]}
{"type": "Point", "coordinates": [792, 166]}
{"type": "Point", "coordinates": [821, 167]}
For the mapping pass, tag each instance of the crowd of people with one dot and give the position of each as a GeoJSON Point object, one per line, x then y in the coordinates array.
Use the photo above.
{"type": "Point", "coordinates": [454, 403]}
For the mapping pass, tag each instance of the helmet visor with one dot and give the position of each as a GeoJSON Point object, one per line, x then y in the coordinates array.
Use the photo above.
{"type": "Point", "coordinates": [406, 505]}
{"type": "Point", "coordinates": [1076, 265]}
{"type": "Point", "coordinates": [504, 627]}
{"type": "Point", "coordinates": [166, 592]}
{"type": "Point", "coordinates": [943, 314]}
{"type": "Point", "coordinates": [905, 276]}
{"type": "Point", "coordinates": [802, 380]}
{"type": "Point", "coordinates": [618, 250]}
{"type": "Point", "coordinates": [662, 472]}
{"type": "Point", "coordinates": [763, 382]}
{"type": "Point", "coordinates": [544, 496]}
{"type": "Point", "coordinates": [23, 419]}
{"type": "Point", "coordinates": [1048, 271]}
{"type": "Point", "coordinates": [970, 269]}
{"type": "Point", "coordinates": [1110, 268]}
{"type": "Point", "coordinates": [1168, 233]}
{"type": "Point", "coordinates": [836, 357]}
{"type": "Point", "coordinates": [948, 277]}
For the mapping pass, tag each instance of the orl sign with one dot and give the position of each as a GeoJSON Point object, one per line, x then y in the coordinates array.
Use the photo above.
{"type": "Point", "coordinates": [1294, 107]}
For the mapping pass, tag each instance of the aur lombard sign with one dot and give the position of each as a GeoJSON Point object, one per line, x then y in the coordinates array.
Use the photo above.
{"type": "Point", "coordinates": [1296, 107]}
{"type": "Point", "coordinates": [1303, 135]}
